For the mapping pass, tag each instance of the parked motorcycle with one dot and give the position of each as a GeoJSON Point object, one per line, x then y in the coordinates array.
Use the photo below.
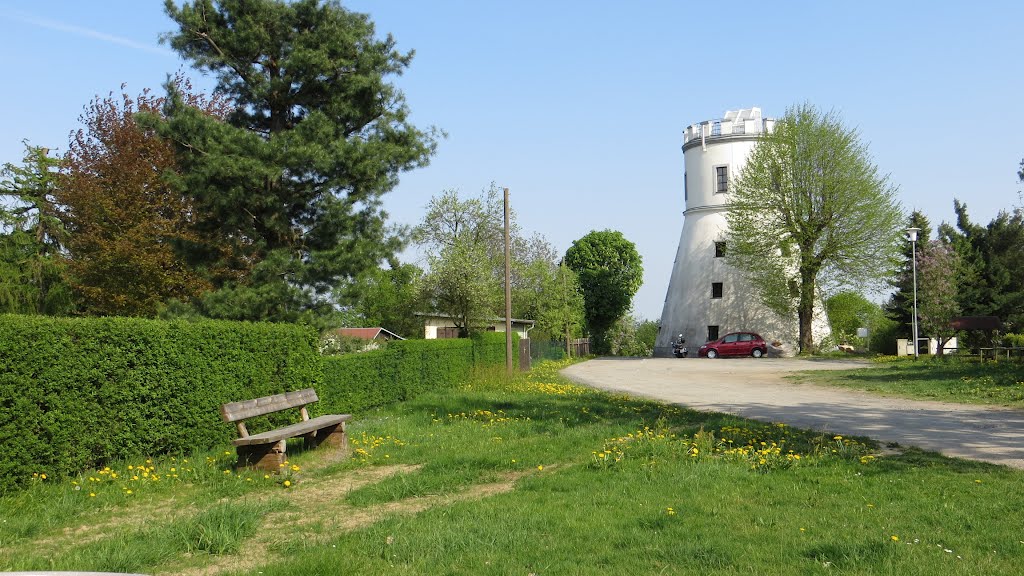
{"type": "Point", "coordinates": [679, 347]}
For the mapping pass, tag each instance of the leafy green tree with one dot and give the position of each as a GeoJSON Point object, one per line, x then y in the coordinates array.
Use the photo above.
{"type": "Point", "coordinates": [647, 333]}
{"type": "Point", "coordinates": [900, 306]}
{"type": "Point", "coordinates": [295, 176]}
{"type": "Point", "coordinates": [610, 272]}
{"type": "Point", "coordinates": [561, 306]}
{"type": "Point", "coordinates": [622, 338]}
{"type": "Point", "coordinates": [810, 214]}
{"type": "Point", "coordinates": [387, 297]}
{"type": "Point", "coordinates": [848, 311]}
{"type": "Point", "coordinates": [938, 273]}
{"type": "Point", "coordinates": [127, 227]}
{"type": "Point", "coordinates": [32, 265]}
{"type": "Point", "coordinates": [464, 240]}
{"type": "Point", "coordinates": [535, 271]}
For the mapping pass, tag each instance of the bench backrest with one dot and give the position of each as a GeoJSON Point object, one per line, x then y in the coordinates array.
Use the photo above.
{"type": "Point", "coordinates": [234, 411]}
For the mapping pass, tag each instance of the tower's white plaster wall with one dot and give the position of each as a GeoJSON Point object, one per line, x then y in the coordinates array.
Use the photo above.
{"type": "Point", "coordinates": [689, 307]}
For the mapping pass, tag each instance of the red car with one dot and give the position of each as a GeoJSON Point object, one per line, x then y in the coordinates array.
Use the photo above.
{"type": "Point", "coordinates": [735, 344]}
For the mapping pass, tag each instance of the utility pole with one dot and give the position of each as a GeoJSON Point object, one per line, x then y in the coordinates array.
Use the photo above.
{"type": "Point", "coordinates": [508, 293]}
{"type": "Point", "coordinates": [912, 236]}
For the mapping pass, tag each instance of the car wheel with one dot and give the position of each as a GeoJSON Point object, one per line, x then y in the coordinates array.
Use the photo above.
{"type": "Point", "coordinates": [712, 354]}
{"type": "Point", "coordinates": [757, 353]}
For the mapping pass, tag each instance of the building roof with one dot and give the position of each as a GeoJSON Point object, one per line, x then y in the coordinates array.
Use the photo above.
{"type": "Point", "coordinates": [367, 333]}
{"type": "Point", "coordinates": [976, 323]}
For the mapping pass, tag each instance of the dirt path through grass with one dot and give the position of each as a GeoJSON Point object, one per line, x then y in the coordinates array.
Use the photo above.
{"type": "Point", "coordinates": [758, 389]}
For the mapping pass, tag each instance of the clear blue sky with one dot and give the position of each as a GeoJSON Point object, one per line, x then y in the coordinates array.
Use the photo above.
{"type": "Point", "coordinates": [578, 106]}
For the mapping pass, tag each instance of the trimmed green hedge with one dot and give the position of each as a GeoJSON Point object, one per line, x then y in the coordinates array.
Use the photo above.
{"type": "Point", "coordinates": [405, 369]}
{"type": "Point", "coordinates": [76, 393]}
{"type": "Point", "coordinates": [79, 392]}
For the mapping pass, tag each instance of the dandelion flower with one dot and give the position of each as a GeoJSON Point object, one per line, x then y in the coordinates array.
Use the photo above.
{"type": "Point", "coordinates": [894, 538]}
{"type": "Point", "coordinates": [540, 467]}
{"type": "Point", "coordinates": [287, 483]}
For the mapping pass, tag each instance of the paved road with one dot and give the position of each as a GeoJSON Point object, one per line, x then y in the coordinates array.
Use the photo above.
{"type": "Point", "coordinates": [757, 389]}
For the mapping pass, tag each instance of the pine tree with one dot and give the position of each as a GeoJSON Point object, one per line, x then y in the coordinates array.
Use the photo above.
{"type": "Point", "coordinates": [900, 306]}
{"type": "Point", "coordinates": [33, 269]}
{"type": "Point", "coordinates": [295, 177]}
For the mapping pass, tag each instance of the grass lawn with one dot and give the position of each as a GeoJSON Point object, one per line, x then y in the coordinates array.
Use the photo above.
{"type": "Point", "coordinates": [535, 476]}
{"type": "Point", "coordinates": [945, 379]}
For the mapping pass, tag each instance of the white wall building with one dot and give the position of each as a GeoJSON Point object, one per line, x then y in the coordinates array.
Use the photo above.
{"type": "Point", "coordinates": [706, 297]}
{"type": "Point", "coordinates": [443, 326]}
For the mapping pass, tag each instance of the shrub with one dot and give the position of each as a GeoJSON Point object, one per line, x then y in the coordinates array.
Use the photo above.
{"type": "Point", "coordinates": [883, 337]}
{"type": "Point", "coordinates": [77, 393]}
{"type": "Point", "coordinates": [1013, 340]}
{"type": "Point", "coordinates": [406, 369]}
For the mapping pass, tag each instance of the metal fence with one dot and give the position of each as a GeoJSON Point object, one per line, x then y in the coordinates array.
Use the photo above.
{"type": "Point", "coordinates": [556, 349]}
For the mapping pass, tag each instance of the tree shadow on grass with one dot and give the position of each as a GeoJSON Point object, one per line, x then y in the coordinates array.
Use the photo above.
{"type": "Point", "coordinates": [845, 554]}
{"type": "Point", "coordinates": [934, 370]}
{"type": "Point", "coordinates": [912, 457]}
{"type": "Point", "coordinates": [573, 411]}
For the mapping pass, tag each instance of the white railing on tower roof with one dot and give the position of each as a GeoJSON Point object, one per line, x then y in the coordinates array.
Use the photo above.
{"type": "Point", "coordinates": [725, 128]}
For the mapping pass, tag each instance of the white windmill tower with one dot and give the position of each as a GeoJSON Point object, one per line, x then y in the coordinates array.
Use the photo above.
{"type": "Point", "coordinates": [706, 297]}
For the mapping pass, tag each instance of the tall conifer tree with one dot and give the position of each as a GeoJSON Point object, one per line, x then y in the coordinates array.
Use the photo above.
{"type": "Point", "coordinates": [900, 306]}
{"type": "Point", "coordinates": [295, 176]}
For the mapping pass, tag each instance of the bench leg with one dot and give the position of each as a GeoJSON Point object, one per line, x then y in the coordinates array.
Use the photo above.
{"type": "Point", "coordinates": [267, 457]}
{"type": "Point", "coordinates": [333, 436]}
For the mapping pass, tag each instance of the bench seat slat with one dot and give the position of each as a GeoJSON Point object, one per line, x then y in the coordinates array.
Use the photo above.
{"type": "Point", "coordinates": [293, 430]}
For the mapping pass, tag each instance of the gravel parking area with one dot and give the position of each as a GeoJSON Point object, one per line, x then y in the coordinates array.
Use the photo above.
{"type": "Point", "coordinates": [758, 389]}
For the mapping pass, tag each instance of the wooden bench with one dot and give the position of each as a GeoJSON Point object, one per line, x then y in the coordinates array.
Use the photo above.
{"type": "Point", "coordinates": [266, 450]}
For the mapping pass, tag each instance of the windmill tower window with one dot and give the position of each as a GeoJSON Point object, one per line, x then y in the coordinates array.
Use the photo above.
{"type": "Point", "coordinates": [721, 179]}
{"type": "Point", "coordinates": [716, 289]}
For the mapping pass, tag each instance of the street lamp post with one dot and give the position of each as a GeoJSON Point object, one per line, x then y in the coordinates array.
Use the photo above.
{"type": "Point", "coordinates": [912, 236]}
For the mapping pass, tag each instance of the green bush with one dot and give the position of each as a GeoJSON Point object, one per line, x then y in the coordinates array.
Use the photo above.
{"type": "Point", "coordinates": [884, 335]}
{"type": "Point", "coordinates": [489, 349]}
{"type": "Point", "coordinates": [1013, 340]}
{"type": "Point", "coordinates": [406, 369]}
{"type": "Point", "coordinates": [76, 393]}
